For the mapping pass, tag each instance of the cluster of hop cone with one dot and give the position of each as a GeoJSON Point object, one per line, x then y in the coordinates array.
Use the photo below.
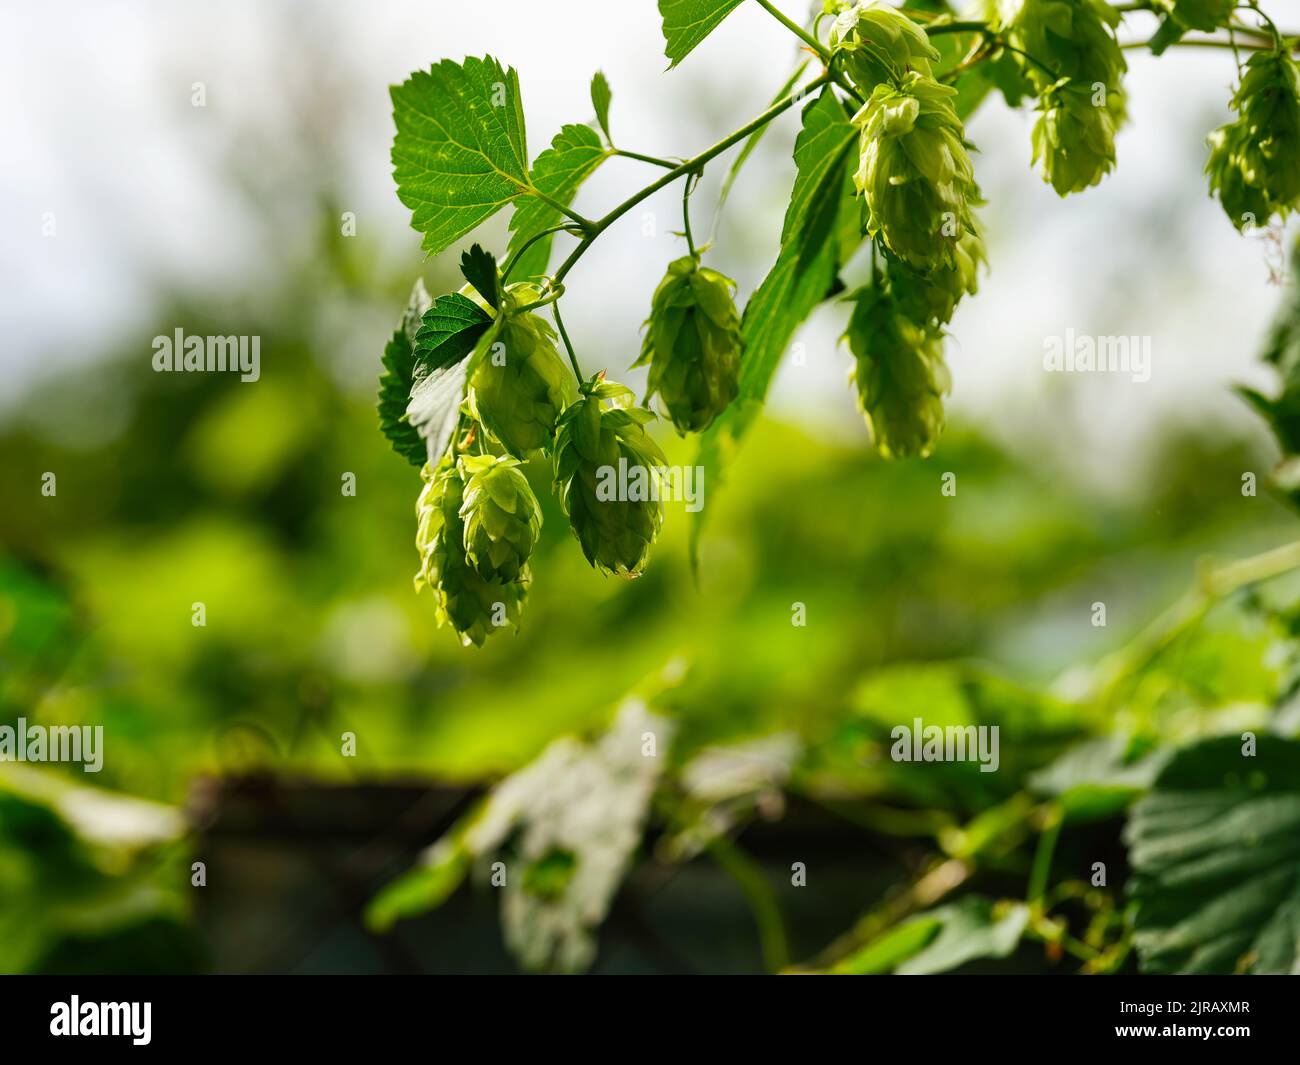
{"type": "Point", "coordinates": [478, 517]}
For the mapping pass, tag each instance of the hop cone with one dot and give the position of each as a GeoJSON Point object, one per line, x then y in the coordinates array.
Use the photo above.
{"type": "Point", "coordinates": [879, 43]}
{"type": "Point", "coordinates": [1074, 139]}
{"type": "Point", "coordinates": [1254, 163]}
{"type": "Point", "coordinates": [914, 170]}
{"type": "Point", "coordinates": [1204, 15]}
{"type": "Point", "coordinates": [470, 604]}
{"type": "Point", "coordinates": [900, 375]}
{"type": "Point", "coordinates": [521, 383]}
{"type": "Point", "coordinates": [501, 517]}
{"type": "Point", "coordinates": [930, 298]}
{"type": "Point", "coordinates": [1079, 82]}
{"type": "Point", "coordinates": [615, 528]}
{"type": "Point", "coordinates": [692, 344]}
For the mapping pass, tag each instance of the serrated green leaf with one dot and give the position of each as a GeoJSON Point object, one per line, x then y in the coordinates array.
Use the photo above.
{"type": "Point", "coordinates": [688, 22]}
{"type": "Point", "coordinates": [479, 268]}
{"type": "Point", "coordinates": [460, 153]}
{"type": "Point", "coordinates": [601, 97]}
{"type": "Point", "coordinates": [398, 377]}
{"type": "Point", "coordinates": [805, 273]}
{"type": "Point", "coordinates": [1215, 850]}
{"type": "Point", "coordinates": [449, 331]}
{"type": "Point", "coordinates": [573, 156]}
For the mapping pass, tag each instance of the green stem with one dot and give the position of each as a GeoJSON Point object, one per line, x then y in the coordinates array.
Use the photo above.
{"type": "Point", "coordinates": [568, 345]}
{"type": "Point", "coordinates": [687, 187]}
{"type": "Point", "coordinates": [1042, 869]}
{"type": "Point", "coordinates": [689, 166]}
{"type": "Point", "coordinates": [563, 227]}
{"type": "Point", "coordinates": [564, 209]}
{"type": "Point", "coordinates": [653, 159]}
{"type": "Point", "coordinates": [798, 31]}
{"type": "Point", "coordinates": [762, 902]}
{"type": "Point", "coordinates": [1188, 611]}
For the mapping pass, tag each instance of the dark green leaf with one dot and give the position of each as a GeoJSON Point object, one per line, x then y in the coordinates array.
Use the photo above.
{"type": "Point", "coordinates": [688, 22]}
{"type": "Point", "coordinates": [479, 268]}
{"type": "Point", "coordinates": [573, 156]}
{"type": "Point", "coordinates": [1215, 850]}
{"type": "Point", "coordinates": [449, 331]}
{"type": "Point", "coordinates": [460, 152]}
{"type": "Point", "coordinates": [398, 377]}
{"type": "Point", "coordinates": [601, 95]}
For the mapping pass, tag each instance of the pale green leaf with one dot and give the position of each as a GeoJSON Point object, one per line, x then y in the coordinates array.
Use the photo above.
{"type": "Point", "coordinates": [601, 97]}
{"type": "Point", "coordinates": [688, 22]}
{"type": "Point", "coordinates": [460, 153]}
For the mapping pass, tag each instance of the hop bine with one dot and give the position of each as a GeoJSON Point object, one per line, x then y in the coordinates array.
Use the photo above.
{"type": "Point", "coordinates": [1254, 163]}
{"type": "Point", "coordinates": [692, 344]}
{"type": "Point", "coordinates": [899, 374]}
{"type": "Point", "coordinates": [474, 606]}
{"type": "Point", "coordinates": [914, 171]}
{"type": "Point", "coordinates": [599, 450]}
{"type": "Point", "coordinates": [521, 383]}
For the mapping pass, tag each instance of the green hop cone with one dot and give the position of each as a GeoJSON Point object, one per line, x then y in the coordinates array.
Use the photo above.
{"type": "Point", "coordinates": [1254, 163]}
{"type": "Point", "coordinates": [914, 170]}
{"type": "Point", "coordinates": [501, 516]}
{"type": "Point", "coordinates": [876, 42]}
{"type": "Point", "coordinates": [473, 606]}
{"type": "Point", "coordinates": [692, 344]}
{"type": "Point", "coordinates": [520, 382]}
{"type": "Point", "coordinates": [607, 475]}
{"type": "Point", "coordinates": [1074, 138]}
{"type": "Point", "coordinates": [1067, 53]}
{"type": "Point", "coordinates": [1205, 15]}
{"type": "Point", "coordinates": [899, 374]}
{"type": "Point", "coordinates": [930, 298]}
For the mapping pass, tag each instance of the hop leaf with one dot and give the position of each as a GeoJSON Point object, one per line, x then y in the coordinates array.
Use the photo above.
{"type": "Point", "coordinates": [473, 606]}
{"type": "Point", "coordinates": [930, 298]}
{"type": "Point", "coordinates": [520, 382]}
{"type": "Point", "coordinates": [914, 170]}
{"type": "Point", "coordinates": [900, 375]}
{"type": "Point", "coordinates": [1074, 138]}
{"type": "Point", "coordinates": [879, 43]}
{"type": "Point", "coordinates": [501, 516]}
{"type": "Point", "coordinates": [1206, 15]}
{"type": "Point", "coordinates": [607, 475]}
{"type": "Point", "coordinates": [692, 344]}
{"type": "Point", "coordinates": [1254, 163]}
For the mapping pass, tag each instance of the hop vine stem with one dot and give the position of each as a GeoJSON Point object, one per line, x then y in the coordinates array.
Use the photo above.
{"type": "Point", "coordinates": [682, 169]}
